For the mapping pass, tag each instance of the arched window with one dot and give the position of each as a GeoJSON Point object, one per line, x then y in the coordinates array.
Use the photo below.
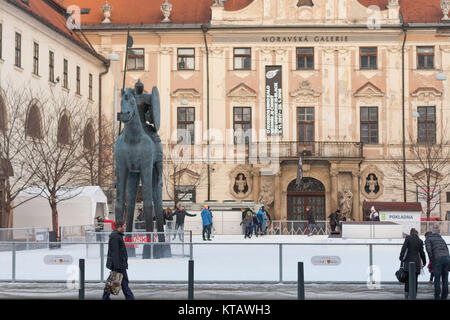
{"type": "Point", "coordinates": [89, 137]}
{"type": "Point", "coordinates": [3, 114]}
{"type": "Point", "coordinates": [64, 130]}
{"type": "Point", "coordinates": [33, 127]}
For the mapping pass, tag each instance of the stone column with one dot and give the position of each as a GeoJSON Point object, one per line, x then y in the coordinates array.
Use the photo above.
{"type": "Point", "coordinates": [256, 184]}
{"type": "Point", "coordinates": [333, 192]}
{"type": "Point", "coordinates": [356, 212]}
{"type": "Point", "coordinates": [277, 198]}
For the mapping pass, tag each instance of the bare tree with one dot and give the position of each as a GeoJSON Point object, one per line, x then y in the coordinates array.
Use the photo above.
{"type": "Point", "coordinates": [428, 171]}
{"type": "Point", "coordinates": [174, 170]}
{"type": "Point", "coordinates": [56, 150]}
{"type": "Point", "coordinates": [97, 155]}
{"type": "Point", "coordinates": [17, 174]}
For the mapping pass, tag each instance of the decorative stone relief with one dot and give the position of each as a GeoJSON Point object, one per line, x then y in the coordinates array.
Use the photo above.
{"type": "Point", "coordinates": [241, 182]}
{"type": "Point", "coordinates": [445, 6]}
{"type": "Point", "coordinates": [305, 92]}
{"type": "Point", "coordinates": [345, 201]}
{"type": "Point", "coordinates": [372, 182]}
{"type": "Point", "coordinates": [106, 12]}
{"type": "Point", "coordinates": [217, 3]}
{"type": "Point", "coordinates": [166, 9]}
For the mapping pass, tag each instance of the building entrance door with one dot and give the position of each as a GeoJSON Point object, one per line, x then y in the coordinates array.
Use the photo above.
{"type": "Point", "coordinates": [311, 192]}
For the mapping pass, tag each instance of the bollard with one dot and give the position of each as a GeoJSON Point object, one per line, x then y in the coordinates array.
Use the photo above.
{"type": "Point", "coordinates": [300, 282]}
{"type": "Point", "coordinates": [102, 262]}
{"type": "Point", "coordinates": [191, 280]}
{"type": "Point", "coordinates": [13, 262]}
{"type": "Point", "coordinates": [412, 281]}
{"type": "Point", "coordinates": [81, 290]}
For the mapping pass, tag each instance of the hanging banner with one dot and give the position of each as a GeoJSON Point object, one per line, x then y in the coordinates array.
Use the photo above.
{"type": "Point", "coordinates": [274, 101]}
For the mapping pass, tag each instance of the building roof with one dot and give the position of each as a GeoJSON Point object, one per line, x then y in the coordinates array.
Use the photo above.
{"type": "Point", "coordinates": [137, 12]}
{"type": "Point", "coordinates": [53, 15]}
{"type": "Point", "coordinates": [392, 206]}
{"type": "Point", "coordinates": [413, 11]}
{"type": "Point", "coordinates": [147, 12]}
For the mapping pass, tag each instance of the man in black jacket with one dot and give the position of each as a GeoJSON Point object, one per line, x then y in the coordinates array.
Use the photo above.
{"type": "Point", "coordinates": [438, 253]}
{"type": "Point", "coordinates": [118, 259]}
{"type": "Point", "coordinates": [180, 213]}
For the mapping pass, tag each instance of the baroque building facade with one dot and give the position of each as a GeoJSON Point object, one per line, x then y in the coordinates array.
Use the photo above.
{"type": "Point", "coordinates": [250, 85]}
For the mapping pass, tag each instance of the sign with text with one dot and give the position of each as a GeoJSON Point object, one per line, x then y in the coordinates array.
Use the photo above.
{"type": "Point", "coordinates": [326, 260]}
{"type": "Point", "coordinates": [274, 101]}
{"type": "Point", "coordinates": [58, 259]}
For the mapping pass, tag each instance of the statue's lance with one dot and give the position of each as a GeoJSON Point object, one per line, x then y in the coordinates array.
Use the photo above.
{"type": "Point", "coordinates": [299, 171]}
{"type": "Point", "coordinates": [129, 45]}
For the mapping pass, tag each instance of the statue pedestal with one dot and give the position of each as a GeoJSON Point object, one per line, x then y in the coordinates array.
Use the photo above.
{"type": "Point", "coordinates": [160, 250]}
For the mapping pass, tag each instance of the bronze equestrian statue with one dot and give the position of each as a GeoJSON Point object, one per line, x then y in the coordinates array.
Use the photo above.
{"type": "Point", "coordinates": [138, 155]}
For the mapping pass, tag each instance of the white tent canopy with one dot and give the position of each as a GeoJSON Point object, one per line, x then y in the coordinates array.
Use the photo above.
{"type": "Point", "coordinates": [80, 207]}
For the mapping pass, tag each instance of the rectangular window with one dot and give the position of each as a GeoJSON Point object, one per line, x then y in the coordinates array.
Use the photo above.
{"type": "Point", "coordinates": [369, 125]}
{"type": "Point", "coordinates": [305, 58]}
{"type": "Point", "coordinates": [448, 197]}
{"type": "Point", "coordinates": [65, 74]}
{"type": "Point", "coordinates": [242, 58]}
{"type": "Point", "coordinates": [368, 58]}
{"type": "Point", "coordinates": [90, 86]}
{"type": "Point", "coordinates": [78, 80]}
{"type": "Point", "coordinates": [51, 66]}
{"type": "Point", "coordinates": [242, 125]}
{"type": "Point", "coordinates": [305, 124]}
{"type": "Point", "coordinates": [186, 59]}
{"type": "Point", "coordinates": [185, 125]}
{"type": "Point", "coordinates": [426, 125]}
{"type": "Point", "coordinates": [36, 58]}
{"type": "Point", "coordinates": [136, 59]}
{"type": "Point", "coordinates": [425, 57]}
{"type": "Point", "coordinates": [18, 50]}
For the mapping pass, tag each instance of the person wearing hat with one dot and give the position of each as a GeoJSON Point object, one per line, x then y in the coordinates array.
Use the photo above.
{"type": "Point", "coordinates": [374, 216]}
{"type": "Point", "coordinates": [438, 253]}
{"type": "Point", "coordinates": [207, 222]}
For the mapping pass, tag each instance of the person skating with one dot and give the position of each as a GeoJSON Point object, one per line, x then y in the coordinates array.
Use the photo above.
{"type": "Point", "coordinates": [247, 222]}
{"type": "Point", "coordinates": [260, 221]}
{"type": "Point", "coordinates": [266, 219]}
{"type": "Point", "coordinates": [311, 220]}
{"type": "Point", "coordinates": [180, 214]}
{"type": "Point", "coordinates": [117, 259]}
{"type": "Point", "coordinates": [334, 220]}
{"type": "Point", "coordinates": [254, 224]}
{"type": "Point", "coordinates": [438, 253]}
{"type": "Point", "coordinates": [207, 223]}
{"type": "Point", "coordinates": [412, 251]}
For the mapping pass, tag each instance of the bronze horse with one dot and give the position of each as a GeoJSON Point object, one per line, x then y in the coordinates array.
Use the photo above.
{"type": "Point", "coordinates": [135, 157]}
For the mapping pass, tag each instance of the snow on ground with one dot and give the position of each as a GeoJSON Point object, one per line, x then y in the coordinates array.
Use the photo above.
{"type": "Point", "coordinates": [227, 259]}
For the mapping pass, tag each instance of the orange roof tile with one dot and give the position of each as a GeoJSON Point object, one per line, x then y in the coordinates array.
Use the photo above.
{"type": "Point", "coordinates": [148, 11]}
{"type": "Point", "coordinates": [53, 15]}
{"type": "Point", "coordinates": [413, 11]}
{"type": "Point", "coordinates": [136, 12]}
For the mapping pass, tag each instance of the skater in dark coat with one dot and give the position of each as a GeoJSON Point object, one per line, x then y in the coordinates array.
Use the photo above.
{"type": "Point", "coordinates": [180, 214]}
{"type": "Point", "coordinates": [438, 253]}
{"type": "Point", "coordinates": [247, 222]}
{"type": "Point", "coordinates": [334, 220]}
{"type": "Point", "coordinates": [311, 220]}
{"type": "Point", "coordinates": [412, 251]}
{"type": "Point", "coordinates": [117, 259]}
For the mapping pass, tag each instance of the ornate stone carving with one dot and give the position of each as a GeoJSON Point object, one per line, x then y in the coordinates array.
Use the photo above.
{"type": "Point", "coordinates": [345, 201]}
{"type": "Point", "coordinates": [106, 12]}
{"type": "Point", "coordinates": [445, 6]}
{"type": "Point", "coordinates": [372, 182]}
{"type": "Point", "coordinates": [305, 92]}
{"type": "Point", "coordinates": [426, 92]}
{"type": "Point", "coordinates": [166, 9]}
{"type": "Point", "coordinates": [241, 182]}
{"type": "Point", "coordinates": [267, 193]}
{"type": "Point", "coordinates": [369, 90]}
{"type": "Point", "coordinates": [217, 3]}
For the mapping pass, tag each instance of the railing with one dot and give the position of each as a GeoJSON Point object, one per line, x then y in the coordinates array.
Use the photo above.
{"type": "Point", "coordinates": [25, 236]}
{"type": "Point", "coordinates": [297, 227]}
{"type": "Point", "coordinates": [265, 150]}
{"type": "Point", "coordinates": [364, 262]}
{"type": "Point", "coordinates": [444, 227]}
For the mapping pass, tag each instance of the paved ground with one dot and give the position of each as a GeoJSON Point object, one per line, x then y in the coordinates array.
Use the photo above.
{"type": "Point", "coordinates": [214, 291]}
